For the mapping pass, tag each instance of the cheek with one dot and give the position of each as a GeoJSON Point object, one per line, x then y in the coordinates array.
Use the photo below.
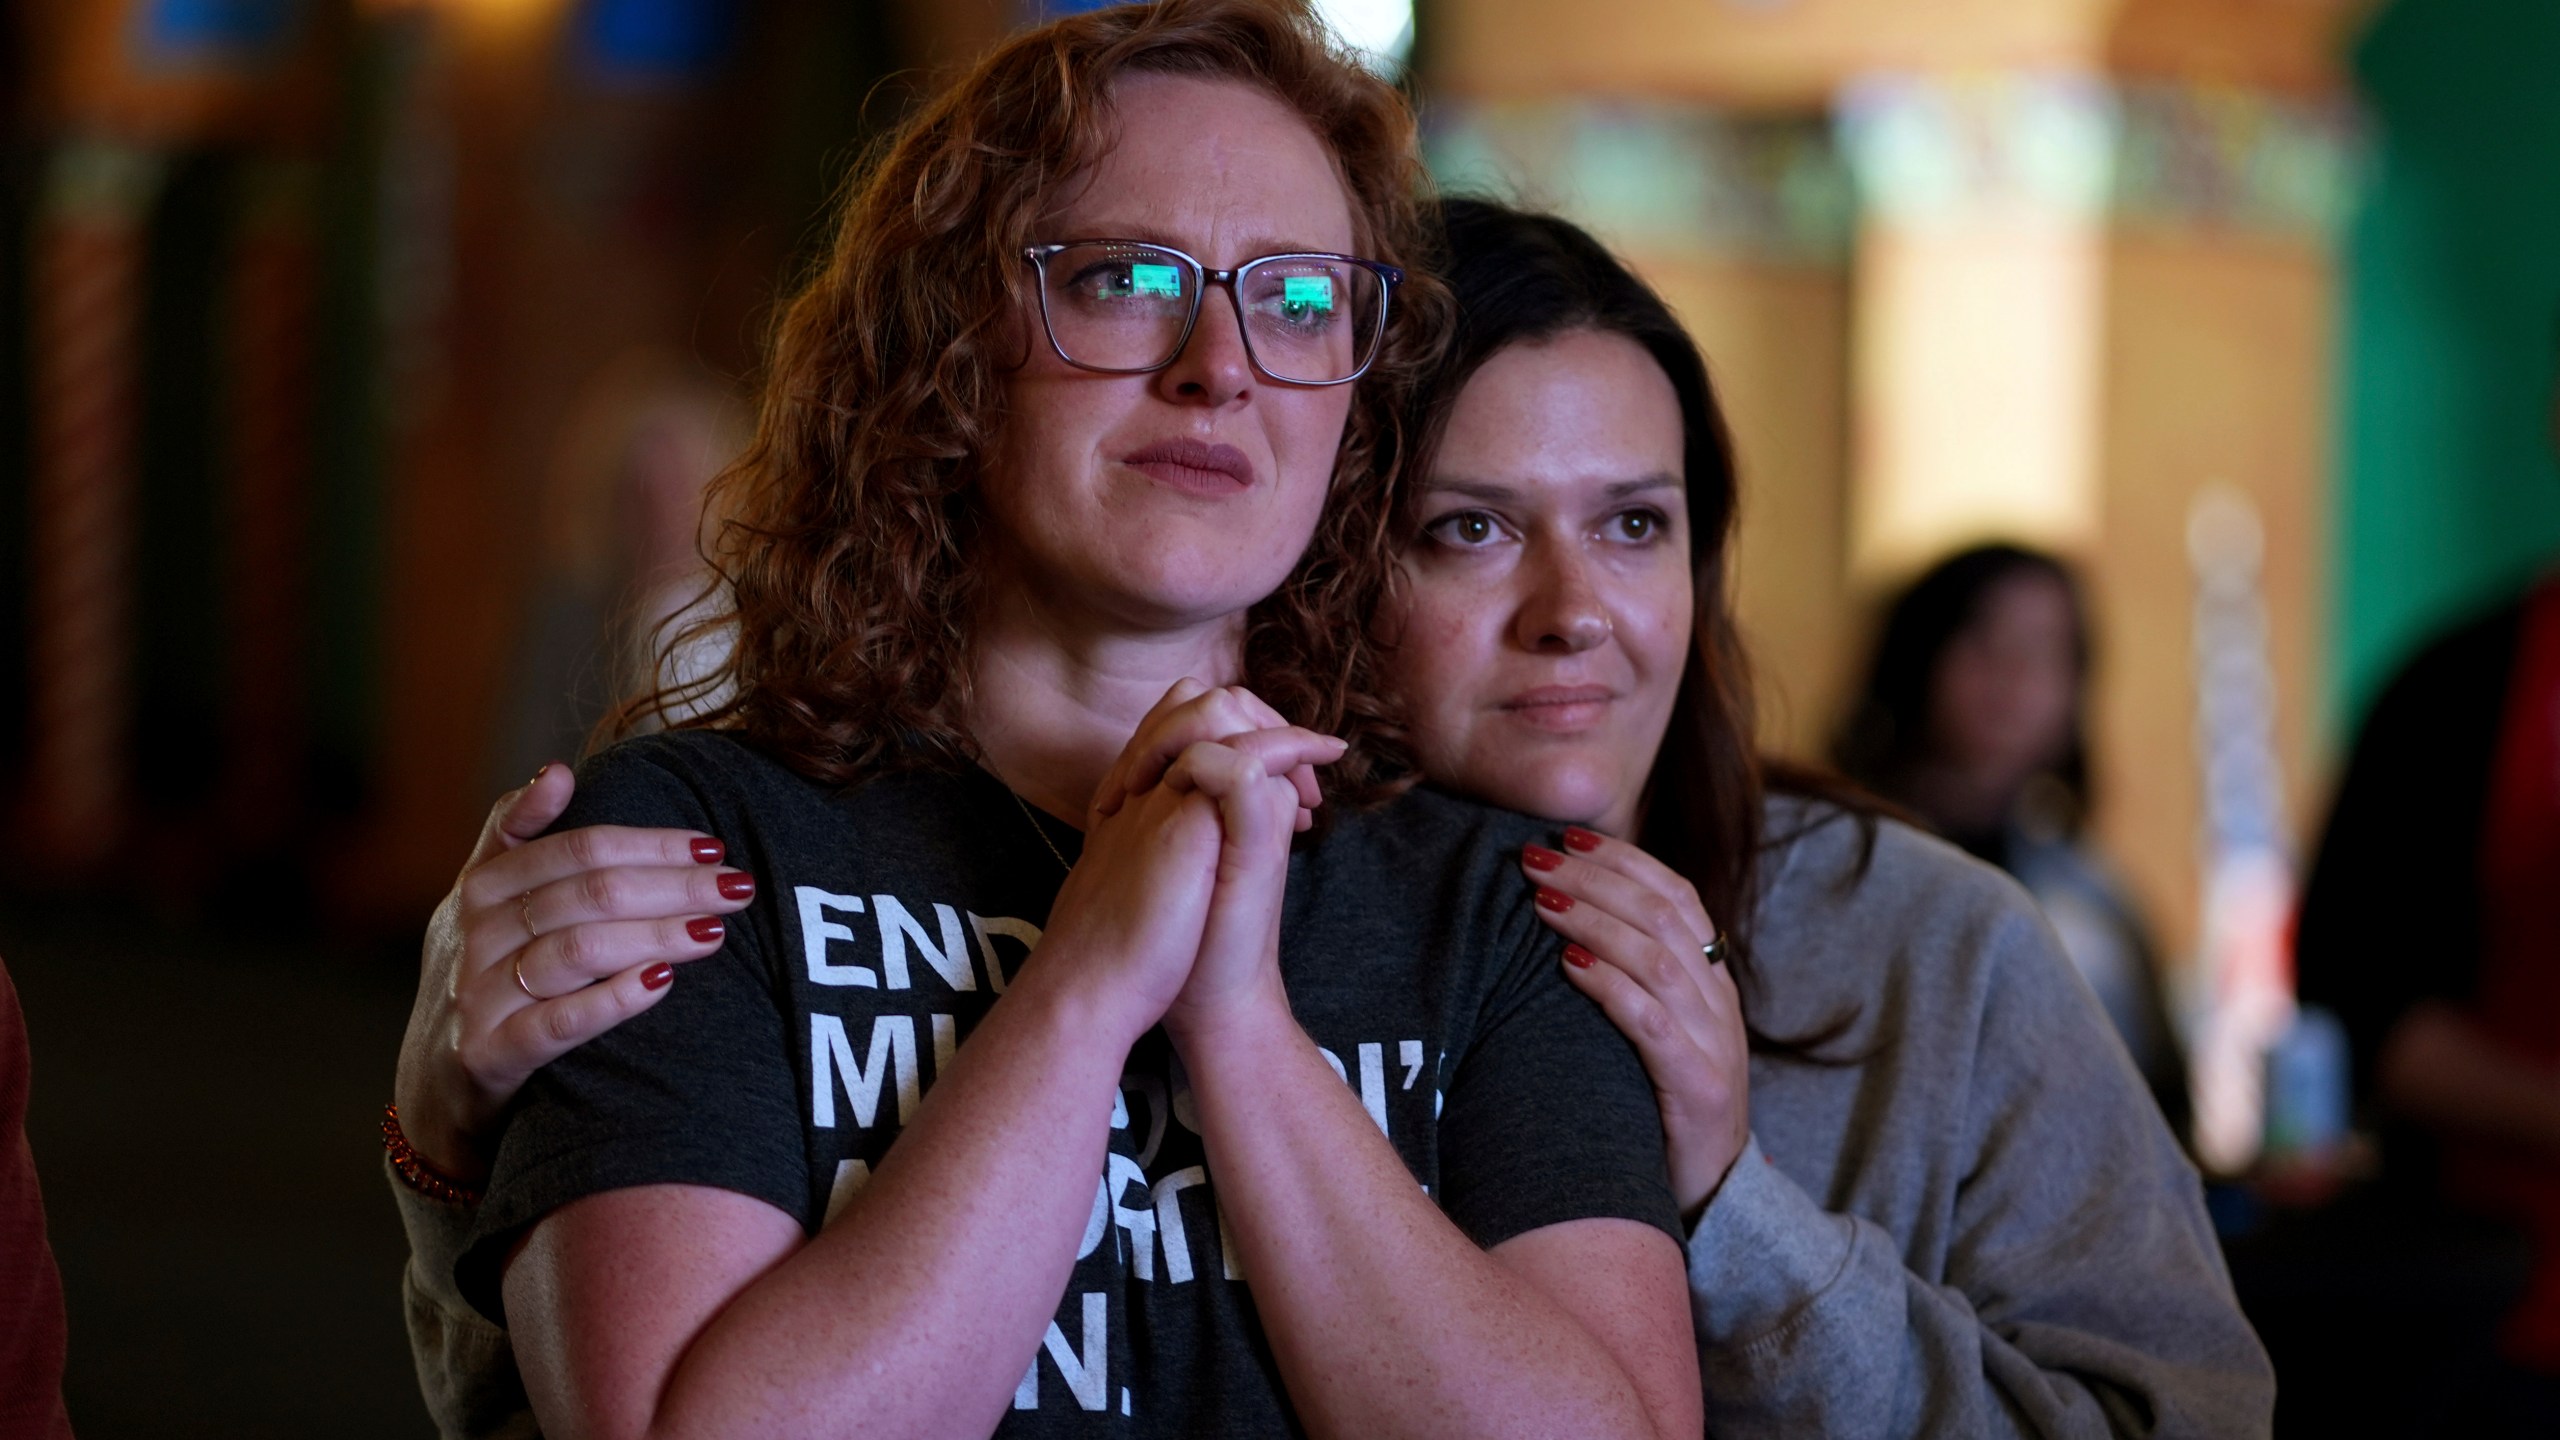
{"type": "Point", "coordinates": [1306, 433]}
{"type": "Point", "coordinates": [1656, 626]}
{"type": "Point", "coordinates": [1439, 653]}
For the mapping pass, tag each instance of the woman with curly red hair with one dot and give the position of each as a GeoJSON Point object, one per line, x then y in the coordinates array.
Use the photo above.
{"type": "Point", "coordinates": [1064, 512]}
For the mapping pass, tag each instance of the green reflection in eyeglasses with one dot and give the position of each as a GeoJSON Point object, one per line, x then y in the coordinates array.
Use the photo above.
{"type": "Point", "coordinates": [1156, 279]}
{"type": "Point", "coordinates": [1310, 290]}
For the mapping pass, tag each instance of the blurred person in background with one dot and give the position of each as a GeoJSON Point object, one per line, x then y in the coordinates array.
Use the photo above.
{"type": "Point", "coordinates": [33, 1329]}
{"type": "Point", "coordinates": [1918, 1200]}
{"type": "Point", "coordinates": [2431, 926]}
{"type": "Point", "coordinates": [1972, 719]}
{"type": "Point", "coordinates": [619, 532]}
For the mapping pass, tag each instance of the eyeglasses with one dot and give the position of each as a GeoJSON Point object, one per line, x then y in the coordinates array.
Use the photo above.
{"type": "Point", "coordinates": [1124, 307]}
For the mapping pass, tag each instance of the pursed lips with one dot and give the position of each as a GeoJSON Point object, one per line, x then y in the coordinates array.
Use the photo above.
{"type": "Point", "coordinates": [1560, 707]}
{"type": "Point", "coordinates": [1195, 467]}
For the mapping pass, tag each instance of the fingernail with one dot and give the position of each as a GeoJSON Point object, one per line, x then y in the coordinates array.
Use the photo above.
{"type": "Point", "coordinates": [1578, 958]}
{"type": "Point", "coordinates": [707, 851]}
{"type": "Point", "coordinates": [736, 885]}
{"type": "Point", "coordinates": [537, 776]}
{"type": "Point", "coordinates": [1555, 900]}
{"type": "Point", "coordinates": [1539, 857]}
{"type": "Point", "coordinates": [705, 929]}
{"type": "Point", "coordinates": [1577, 838]}
{"type": "Point", "coordinates": [657, 976]}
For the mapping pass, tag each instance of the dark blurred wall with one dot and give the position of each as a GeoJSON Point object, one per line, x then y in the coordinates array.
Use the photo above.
{"type": "Point", "coordinates": [355, 267]}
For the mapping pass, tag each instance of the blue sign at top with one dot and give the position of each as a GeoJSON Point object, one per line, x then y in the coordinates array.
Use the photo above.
{"type": "Point", "coordinates": [1036, 11]}
{"type": "Point", "coordinates": [657, 39]}
{"type": "Point", "coordinates": [219, 31]}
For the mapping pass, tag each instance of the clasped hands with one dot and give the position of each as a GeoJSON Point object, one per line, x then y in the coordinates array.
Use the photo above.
{"type": "Point", "coordinates": [1173, 911]}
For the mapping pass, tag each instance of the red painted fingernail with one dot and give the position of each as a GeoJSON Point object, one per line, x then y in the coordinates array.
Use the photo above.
{"type": "Point", "coordinates": [1555, 900]}
{"type": "Point", "coordinates": [1539, 857]}
{"type": "Point", "coordinates": [1577, 838]}
{"type": "Point", "coordinates": [658, 976]}
{"type": "Point", "coordinates": [1578, 958]}
{"type": "Point", "coordinates": [705, 929]}
{"type": "Point", "coordinates": [737, 885]}
{"type": "Point", "coordinates": [707, 851]}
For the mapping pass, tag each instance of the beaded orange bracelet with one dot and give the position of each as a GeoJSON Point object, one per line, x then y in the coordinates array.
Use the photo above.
{"type": "Point", "coordinates": [414, 1169]}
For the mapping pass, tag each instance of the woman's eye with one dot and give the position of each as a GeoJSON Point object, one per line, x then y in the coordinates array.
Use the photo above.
{"type": "Point", "coordinates": [1467, 528]}
{"type": "Point", "coordinates": [1637, 525]}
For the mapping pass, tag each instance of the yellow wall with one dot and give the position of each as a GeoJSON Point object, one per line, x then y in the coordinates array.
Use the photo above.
{"type": "Point", "coordinates": [1977, 390]}
{"type": "Point", "coordinates": [1776, 340]}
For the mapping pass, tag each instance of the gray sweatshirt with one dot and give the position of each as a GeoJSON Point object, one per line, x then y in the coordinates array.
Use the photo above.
{"type": "Point", "coordinates": [1961, 1214]}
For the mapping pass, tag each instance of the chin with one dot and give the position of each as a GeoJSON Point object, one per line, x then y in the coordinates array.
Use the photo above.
{"type": "Point", "coordinates": [1568, 793]}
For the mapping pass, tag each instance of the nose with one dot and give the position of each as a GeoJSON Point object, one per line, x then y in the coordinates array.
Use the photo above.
{"type": "Point", "coordinates": [1214, 368]}
{"type": "Point", "coordinates": [1563, 613]}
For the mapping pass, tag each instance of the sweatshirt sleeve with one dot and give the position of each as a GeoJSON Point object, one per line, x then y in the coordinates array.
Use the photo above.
{"type": "Point", "coordinates": [466, 1367]}
{"type": "Point", "coordinates": [2074, 1288]}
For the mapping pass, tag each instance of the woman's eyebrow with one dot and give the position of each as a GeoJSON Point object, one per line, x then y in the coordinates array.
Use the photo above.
{"type": "Point", "coordinates": [1492, 492]}
{"type": "Point", "coordinates": [1485, 490]}
{"type": "Point", "coordinates": [1659, 480]}
{"type": "Point", "coordinates": [1149, 234]}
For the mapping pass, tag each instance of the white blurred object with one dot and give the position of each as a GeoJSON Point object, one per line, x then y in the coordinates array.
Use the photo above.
{"type": "Point", "coordinates": [1381, 31]}
{"type": "Point", "coordinates": [2242, 980]}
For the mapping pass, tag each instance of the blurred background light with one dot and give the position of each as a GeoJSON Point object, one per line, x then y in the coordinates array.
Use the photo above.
{"type": "Point", "coordinates": [1381, 31]}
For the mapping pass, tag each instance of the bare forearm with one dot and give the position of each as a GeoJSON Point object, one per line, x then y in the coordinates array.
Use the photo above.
{"type": "Point", "coordinates": [1384, 1318]}
{"type": "Point", "coordinates": [917, 1308]}
{"type": "Point", "coordinates": [2437, 1068]}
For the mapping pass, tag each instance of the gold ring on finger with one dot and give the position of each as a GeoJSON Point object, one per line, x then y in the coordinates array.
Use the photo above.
{"type": "Point", "coordinates": [524, 907]}
{"type": "Point", "coordinates": [1715, 950]}
{"type": "Point", "coordinates": [517, 966]}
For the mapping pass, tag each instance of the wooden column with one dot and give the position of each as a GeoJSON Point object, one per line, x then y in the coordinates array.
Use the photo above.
{"type": "Point", "coordinates": [87, 300]}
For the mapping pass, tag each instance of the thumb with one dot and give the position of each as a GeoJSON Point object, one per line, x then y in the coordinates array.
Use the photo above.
{"type": "Point", "coordinates": [522, 814]}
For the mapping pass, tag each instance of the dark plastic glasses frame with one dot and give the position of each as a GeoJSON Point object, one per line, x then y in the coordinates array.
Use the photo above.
{"type": "Point", "coordinates": [1389, 277]}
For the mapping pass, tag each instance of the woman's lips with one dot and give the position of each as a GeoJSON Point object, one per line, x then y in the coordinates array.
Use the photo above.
{"type": "Point", "coordinates": [1560, 707]}
{"type": "Point", "coordinates": [1194, 467]}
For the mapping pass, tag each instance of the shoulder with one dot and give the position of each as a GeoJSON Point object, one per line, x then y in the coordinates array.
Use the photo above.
{"type": "Point", "coordinates": [695, 754]}
{"type": "Point", "coordinates": [1427, 829]}
{"type": "Point", "coordinates": [1423, 875]}
{"type": "Point", "coordinates": [679, 777]}
{"type": "Point", "coordinates": [1874, 918]}
{"type": "Point", "coordinates": [1826, 870]}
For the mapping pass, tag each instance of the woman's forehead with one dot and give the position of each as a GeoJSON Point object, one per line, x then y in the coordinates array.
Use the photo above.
{"type": "Point", "coordinates": [1587, 407]}
{"type": "Point", "coordinates": [1200, 161]}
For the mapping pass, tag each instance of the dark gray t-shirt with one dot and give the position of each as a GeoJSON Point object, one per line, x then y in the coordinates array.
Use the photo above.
{"type": "Point", "coordinates": [888, 919]}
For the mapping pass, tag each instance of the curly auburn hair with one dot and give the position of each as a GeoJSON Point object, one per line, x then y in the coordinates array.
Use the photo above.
{"type": "Point", "coordinates": [842, 570]}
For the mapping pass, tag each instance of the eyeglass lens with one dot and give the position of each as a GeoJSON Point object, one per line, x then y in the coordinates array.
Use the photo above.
{"type": "Point", "coordinates": [1124, 307]}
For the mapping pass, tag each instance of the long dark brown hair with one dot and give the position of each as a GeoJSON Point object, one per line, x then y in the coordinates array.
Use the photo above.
{"type": "Point", "coordinates": [1519, 278]}
{"type": "Point", "coordinates": [844, 583]}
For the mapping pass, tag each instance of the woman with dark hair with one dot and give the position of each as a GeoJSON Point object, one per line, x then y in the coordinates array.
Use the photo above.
{"type": "Point", "coordinates": [1014, 1072]}
{"type": "Point", "coordinates": [1971, 719]}
{"type": "Point", "coordinates": [1920, 1195]}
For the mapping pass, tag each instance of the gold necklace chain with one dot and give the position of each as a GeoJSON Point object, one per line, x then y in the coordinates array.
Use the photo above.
{"type": "Point", "coordinates": [1039, 829]}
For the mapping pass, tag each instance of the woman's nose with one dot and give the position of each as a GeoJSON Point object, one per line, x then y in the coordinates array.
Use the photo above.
{"type": "Point", "coordinates": [1563, 613]}
{"type": "Point", "coordinates": [1214, 366]}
